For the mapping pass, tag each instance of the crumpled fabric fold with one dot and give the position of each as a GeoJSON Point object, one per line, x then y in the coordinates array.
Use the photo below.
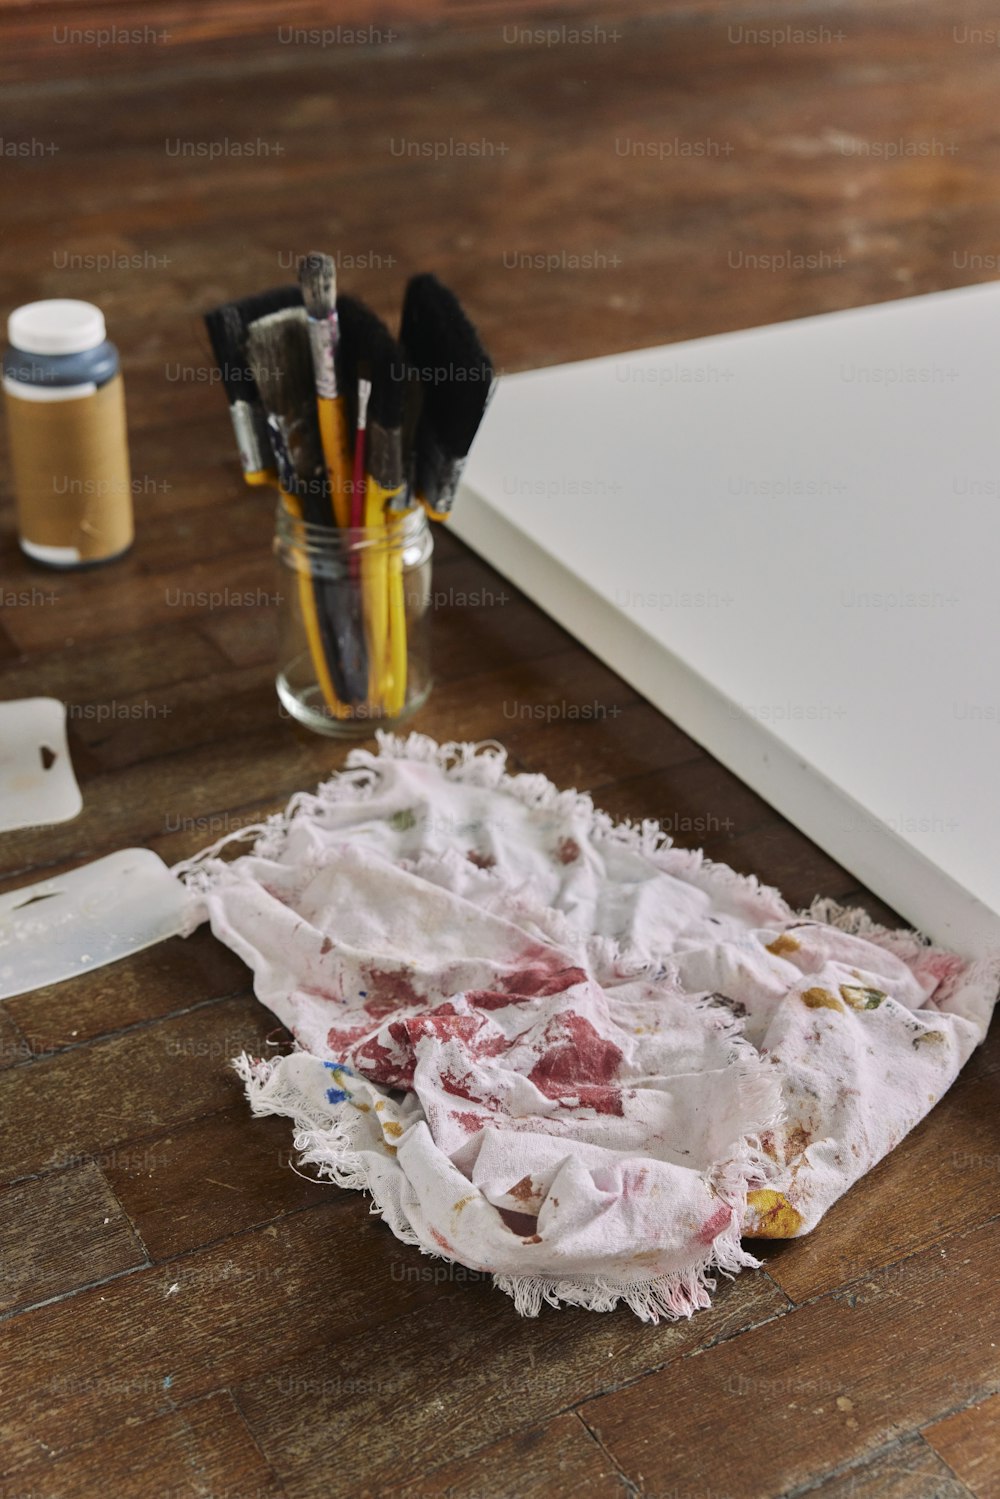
{"type": "Point", "coordinates": [558, 1049]}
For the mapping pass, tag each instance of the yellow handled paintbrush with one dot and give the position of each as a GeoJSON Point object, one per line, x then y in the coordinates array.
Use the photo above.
{"type": "Point", "coordinates": [278, 350]}
{"type": "Point", "coordinates": [318, 280]}
{"type": "Point", "coordinates": [385, 490]}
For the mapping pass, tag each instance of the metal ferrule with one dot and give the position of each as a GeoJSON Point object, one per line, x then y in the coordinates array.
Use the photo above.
{"type": "Point", "coordinates": [438, 477]}
{"type": "Point", "coordinates": [385, 456]}
{"type": "Point", "coordinates": [251, 437]}
{"type": "Point", "coordinates": [322, 337]}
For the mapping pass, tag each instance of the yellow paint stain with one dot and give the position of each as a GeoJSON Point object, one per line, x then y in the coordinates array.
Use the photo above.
{"type": "Point", "coordinates": [362, 1108]}
{"type": "Point", "coordinates": [936, 1038]}
{"type": "Point", "coordinates": [861, 997]}
{"type": "Point", "coordinates": [392, 1129]}
{"type": "Point", "coordinates": [379, 1107]}
{"type": "Point", "coordinates": [821, 999]}
{"type": "Point", "coordinates": [782, 944]}
{"type": "Point", "coordinates": [775, 1216]}
{"type": "Point", "coordinates": [462, 1202]}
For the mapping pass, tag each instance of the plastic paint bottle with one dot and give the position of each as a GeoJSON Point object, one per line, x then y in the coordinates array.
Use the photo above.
{"type": "Point", "coordinates": [68, 442]}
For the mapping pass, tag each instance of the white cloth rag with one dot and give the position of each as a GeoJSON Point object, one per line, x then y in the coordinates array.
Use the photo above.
{"type": "Point", "coordinates": [560, 1050]}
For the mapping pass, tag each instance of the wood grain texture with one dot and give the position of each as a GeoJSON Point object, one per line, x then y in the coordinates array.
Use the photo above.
{"type": "Point", "coordinates": [560, 1457]}
{"type": "Point", "coordinates": [210, 1179]}
{"type": "Point", "coordinates": [203, 1449]}
{"type": "Point", "coordinates": [906, 1469]}
{"type": "Point", "coordinates": [472, 1373]}
{"type": "Point", "coordinates": [831, 1381]}
{"type": "Point", "coordinates": [176, 1331]}
{"type": "Point", "coordinates": [968, 1442]}
{"type": "Point", "coordinates": [281, 1342]}
{"type": "Point", "coordinates": [61, 1233]}
{"type": "Point", "coordinates": [114, 1092]}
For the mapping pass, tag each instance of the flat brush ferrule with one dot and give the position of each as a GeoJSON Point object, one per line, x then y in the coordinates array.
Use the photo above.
{"type": "Point", "coordinates": [385, 456]}
{"type": "Point", "coordinates": [251, 437]}
{"type": "Point", "coordinates": [323, 339]}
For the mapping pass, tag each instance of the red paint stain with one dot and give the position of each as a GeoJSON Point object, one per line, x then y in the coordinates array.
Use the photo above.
{"type": "Point", "coordinates": [713, 1227]}
{"type": "Point", "coordinates": [465, 1119]}
{"type": "Point", "coordinates": [340, 1036]}
{"type": "Point", "coordinates": [632, 1185]}
{"type": "Point", "coordinates": [521, 1224]}
{"type": "Point", "coordinates": [441, 1241]}
{"type": "Point", "coordinates": [568, 851]}
{"type": "Point", "coordinates": [326, 947]}
{"type": "Point", "coordinates": [375, 1061]}
{"type": "Point", "coordinates": [459, 1087]}
{"type": "Point", "coordinates": [492, 999]}
{"type": "Point", "coordinates": [390, 989]}
{"type": "Point", "coordinates": [580, 1063]}
{"type": "Point", "coordinates": [481, 861]}
{"type": "Point", "coordinates": [542, 979]}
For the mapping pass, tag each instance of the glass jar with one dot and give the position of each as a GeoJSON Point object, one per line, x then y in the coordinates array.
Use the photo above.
{"type": "Point", "coordinates": [354, 621]}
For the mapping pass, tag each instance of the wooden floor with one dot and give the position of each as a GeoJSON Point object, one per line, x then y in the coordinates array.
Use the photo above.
{"type": "Point", "coordinates": [182, 1313]}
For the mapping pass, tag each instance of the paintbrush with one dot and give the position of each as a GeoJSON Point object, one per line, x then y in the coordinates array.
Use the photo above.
{"type": "Point", "coordinates": [385, 495]}
{"type": "Point", "coordinates": [227, 332]}
{"type": "Point", "coordinates": [280, 358]}
{"type": "Point", "coordinates": [456, 380]}
{"type": "Point", "coordinates": [318, 280]}
{"type": "Point", "coordinates": [369, 363]}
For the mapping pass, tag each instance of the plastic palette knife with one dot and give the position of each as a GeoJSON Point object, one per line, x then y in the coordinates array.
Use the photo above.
{"type": "Point", "coordinates": [37, 784]}
{"type": "Point", "coordinates": [97, 914]}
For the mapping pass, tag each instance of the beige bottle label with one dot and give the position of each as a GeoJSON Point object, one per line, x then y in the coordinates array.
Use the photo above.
{"type": "Point", "coordinates": [71, 473]}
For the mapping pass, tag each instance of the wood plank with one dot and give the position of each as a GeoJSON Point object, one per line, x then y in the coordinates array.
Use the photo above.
{"type": "Point", "coordinates": [473, 1371]}
{"type": "Point", "coordinates": [131, 603]}
{"type": "Point", "coordinates": [134, 805]}
{"type": "Point", "coordinates": [61, 1233]}
{"type": "Point", "coordinates": [696, 800]}
{"type": "Point", "coordinates": [802, 1379]}
{"type": "Point", "coordinates": [201, 1449]}
{"type": "Point", "coordinates": [160, 1337]}
{"type": "Point", "coordinates": [560, 1457]}
{"type": "Point", "coordinates": [14, 1045]}
{"type": "Point", "coordinates": [905, 1470]}
{"type": "Point", "coordinates": [122, 1089]}
{"type": "Point", "coordinates": [132, 663]}
{"type": "Point", "coordinates": [954, 1154]}
{"type": "Point", "coordinates": [780, 855]}
{"type": "Point", "coordinates": [210, 1179]}
{"type": "Point", "coordinates": [969, 1442]}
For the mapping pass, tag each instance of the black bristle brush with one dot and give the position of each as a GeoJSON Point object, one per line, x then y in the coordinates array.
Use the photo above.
{"type": "Point", "coordinates": [280, 358]}
{"type": "Point", "coordinates": [227, 332]}
{"type": "Point", "coordinates": [455, 379]}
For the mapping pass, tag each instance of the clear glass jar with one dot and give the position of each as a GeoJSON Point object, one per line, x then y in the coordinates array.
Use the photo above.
{"type": "Point", "coordinates": [354, 621]}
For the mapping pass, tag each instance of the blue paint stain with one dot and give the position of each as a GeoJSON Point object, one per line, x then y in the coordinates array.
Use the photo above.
{"type": "Point", "coordinates": [168, 1380]}
{"type": "Point", "coordinates": [335, 1095]}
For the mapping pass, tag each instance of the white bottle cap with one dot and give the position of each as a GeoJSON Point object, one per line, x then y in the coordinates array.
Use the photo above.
{"type": "Point", "coordinates": [58, 326]}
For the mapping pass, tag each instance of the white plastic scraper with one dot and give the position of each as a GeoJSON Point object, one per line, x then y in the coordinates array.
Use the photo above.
{"type": "Point", "coordinates": [87, 918]}
{"type": "Point", "coordinates": [37, 784]}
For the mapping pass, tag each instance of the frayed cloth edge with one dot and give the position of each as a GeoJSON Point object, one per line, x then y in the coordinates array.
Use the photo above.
{"type": "Point", "coordinates": [333, 1151]}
